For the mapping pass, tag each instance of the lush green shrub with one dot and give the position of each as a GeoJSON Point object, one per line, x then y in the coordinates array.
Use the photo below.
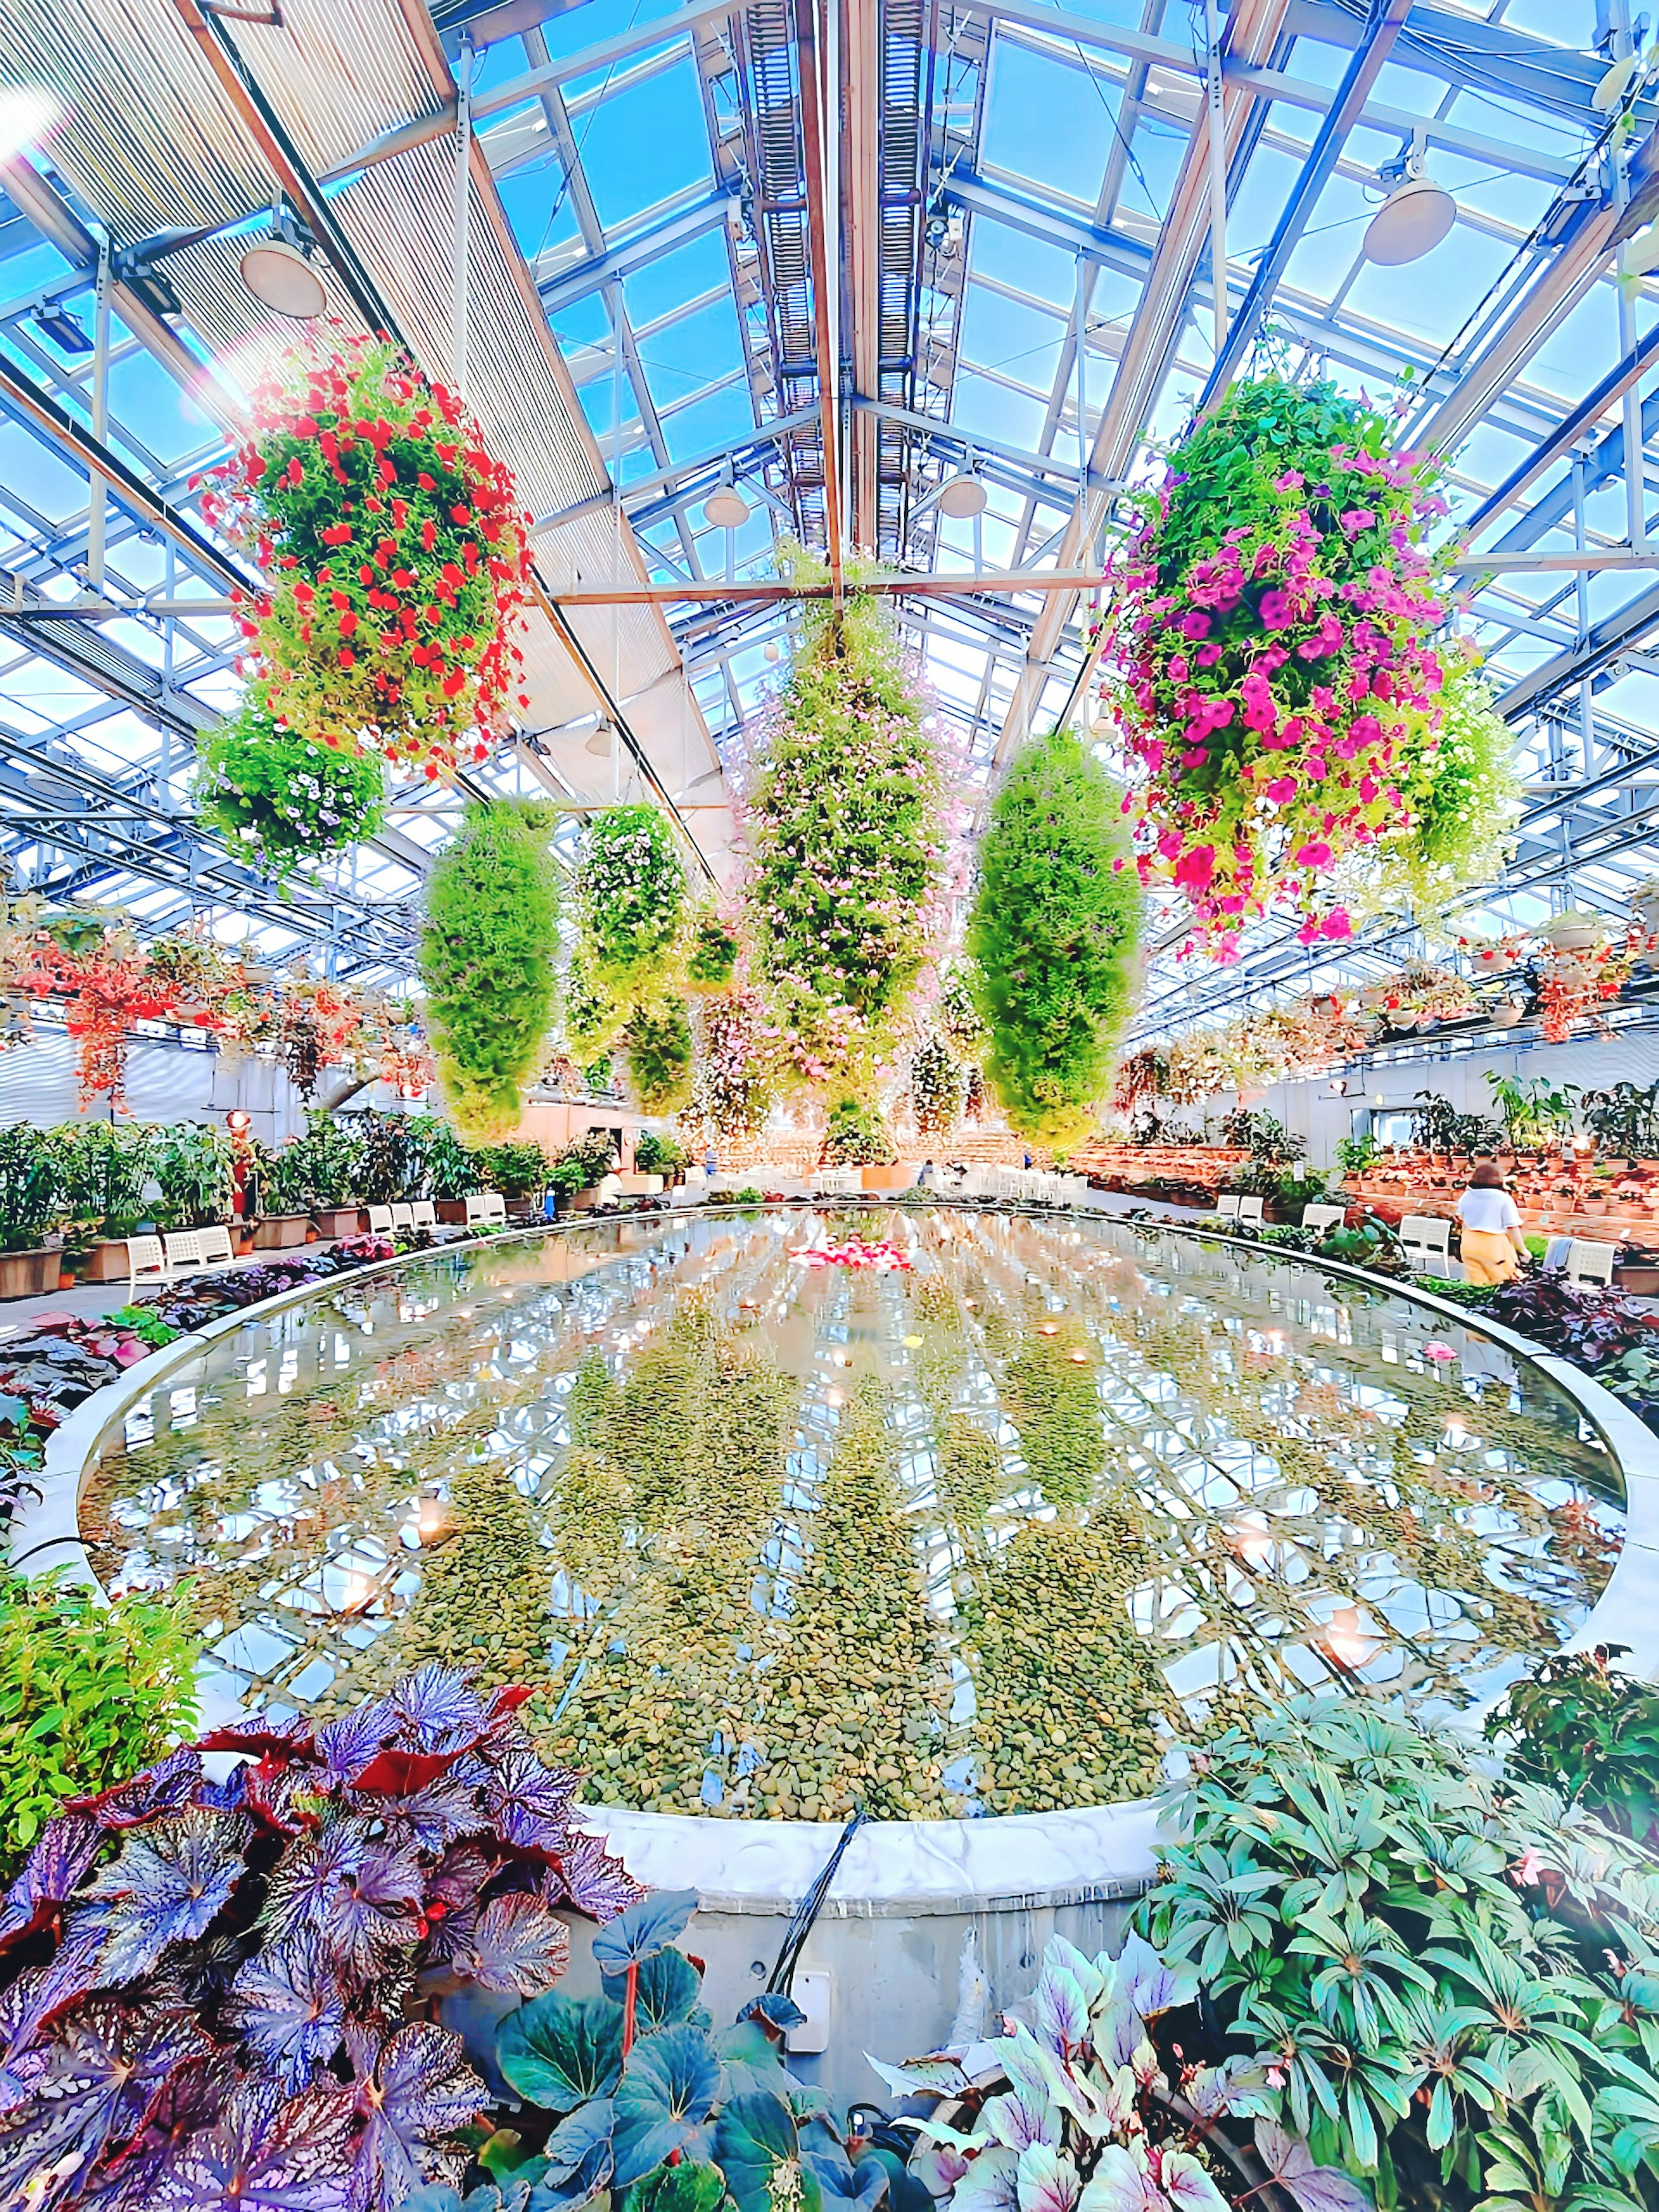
{"type": "Point", "coordinates": [324, 1165]}
{"type": "Point", "coordinates": [287, 796]}
{"type": "Point", "coordinates": [658, 1044]}
{"type": "Point", "coordinates": [393, 1155]}
{"type": "Point", "coordinates": [1053, 935]}
{"type": "Point", "coordinates": [517, 1169]}
{"type": "Point", "coordinates": [856, 1135]}
{"type": "Point", "coordinates": [847, 842]}
{"type": "Point", "coordinates": [106, 1168]}
{"type": "Point", "coordinates": [586, 1160]}
{"type": "Point", "coordinates": [713, 957]}
{"type": "Point", "coordinates": [1576, 1724]}
{"type": "Point", "coordinates": [487, 959]}
{"type": "Point", "coordinates": [1449, 1986]}
{"type": "Point", "coordinates": [90, 1694]}
{"type": "Point", "coordinates": [631, 901]}
{"type": "Point", "coordinates": [448, 1169]}
{"type": "Point", "coordinates": [31, 1186]}
{"type": "Point", "coordinates": [655, 1154]}
{"type": "Point", "coordinates": [195, 1167]}
{"type": "Point", "coordinates": [592, 1017]}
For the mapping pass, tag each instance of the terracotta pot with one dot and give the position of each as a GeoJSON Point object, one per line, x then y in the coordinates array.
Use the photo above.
{"type": "Point", "coordinates": [896, 1176]}
{"type": "Point", "coordinates": [106, 1261]}
{"type": "Point", "coordinates": [1640, 1282]}
{"type": "Point", "coordinates": [279, 1232]}
{"type": "Point", "coordinates": [30, 1275]}
{"type": "Point", "coordinates": [452, 1212]}
{"type": "Point", "coordinates": [244, 1240]}
{"type": "Point", "coordinates": [584, 1201]}
{"type": "Point", "coordinates": [338, 1220]}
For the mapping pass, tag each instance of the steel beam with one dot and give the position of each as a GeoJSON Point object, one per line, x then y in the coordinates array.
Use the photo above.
{"type": "Point", "coordinates": [815, 152]}
{"type": "Point", "coordinates": [979, 583]}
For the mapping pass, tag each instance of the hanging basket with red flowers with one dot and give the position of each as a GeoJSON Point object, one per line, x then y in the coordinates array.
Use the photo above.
{"type": "Point", "coordinates": [106, 977]}
{"type": "Point", "coordinates": [397, 562]}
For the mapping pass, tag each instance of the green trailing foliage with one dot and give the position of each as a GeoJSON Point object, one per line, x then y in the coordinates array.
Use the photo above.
{"type": "Point", "coordinates": [290, 797]}
{"type": "Point", "coordinates": [592, 1016]}
{"type": "Point", "coordinates": [660, 1056]}
{"type": "Point", "coordinates": [630, 902]}
{"type": "Point", "coordinates": [487, 960]}
{"type": "Point", "coordinates": [90, 1694]}
{"type": "Point", "coordinates": [856, 1135]}
{"type": "Point", "coordinates": [1054, 935]}
{"type": "Point", "coordinates": [712, 958]}
{"type": "Point", "coordinates": [846, 833]}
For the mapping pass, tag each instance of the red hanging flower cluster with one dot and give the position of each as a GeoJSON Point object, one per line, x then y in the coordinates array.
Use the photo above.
{"type": "Point", "coordinates": [397, 556]}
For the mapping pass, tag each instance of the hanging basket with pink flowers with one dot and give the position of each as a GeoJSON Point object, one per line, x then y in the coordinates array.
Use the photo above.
{"type": "Point", "coordinates": [1270, 658]}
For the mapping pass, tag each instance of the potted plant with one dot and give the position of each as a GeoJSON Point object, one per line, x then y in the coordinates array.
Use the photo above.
{"type": "Point", "coordinates": [195, 1169]}
{"type": "Point", "coordinates": [593, 1157]}
{"type": "Point", "coordinates": [452, 1168]}
{"type": "Point", "coordinates": [856, 1135]}
{"type": "Point", "coordinates": [320, 1171]}
{"type": "Point", "coordinates": [660, 1160]}
{"type": "Point", "coordinates": [282, 1184]}
{"type": "Point", "coordinates": [518, 1170]}
{"type": "Point", "coordinates": [107, 1166]}
{"type": "Point", "coordinates": [31, 1206]}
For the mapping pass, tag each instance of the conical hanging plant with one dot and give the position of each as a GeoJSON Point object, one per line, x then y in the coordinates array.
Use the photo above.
{"type": "Point", "coordinates": [487, 959]}
{"type": "Point", "coordinates": [658, 1044]}
{"type": "Point", "coordinates": [846, 817]}
{"type": "Point", "coordinates": [1054, 936]}
{"type": "Point", "coordinates": [631, 903]}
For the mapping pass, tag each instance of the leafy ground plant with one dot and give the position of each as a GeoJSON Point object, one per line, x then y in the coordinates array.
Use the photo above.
{"type": "Point", "coordinates": [1579, 1725]}
{"type": "Point", "coordinates": [645, 2099]}
{"type": "Point", "coordinates": [209, 1988]}
{"type": "Point", "coordinates": [1087, 2104]}
{"type": "Point", "coordinates": [1448, 1986]}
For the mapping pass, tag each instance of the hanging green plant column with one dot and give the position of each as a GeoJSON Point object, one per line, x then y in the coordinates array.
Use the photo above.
{"type": "Point", "coordinates": [1054, 935]}
{"type": "Point", "coordinates": [487, 962]}
{"type": "Point", "coordinates": [846, 834]}
{"type": "Point", "coordinates": [659, 1048]}
{"type": "Point", "coordinates": [630, 898]}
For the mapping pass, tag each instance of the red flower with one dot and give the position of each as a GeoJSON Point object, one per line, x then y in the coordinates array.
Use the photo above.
{"type": "Point", "coordinates": [337, 533]}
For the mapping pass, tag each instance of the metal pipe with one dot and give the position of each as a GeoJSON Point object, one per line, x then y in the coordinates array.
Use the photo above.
{"type": "Point", "coordinates": [812, 147]}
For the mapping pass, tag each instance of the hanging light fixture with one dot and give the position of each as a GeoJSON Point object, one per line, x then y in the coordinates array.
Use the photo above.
{"type": "Point", "coordinates": [725, 508]}
{"type": "Point", "coordinates": [281, 278]}
{"type": "Point", "coordinates": [1413, 219]}
{"type": "Point", "coordinates": [963, 496]}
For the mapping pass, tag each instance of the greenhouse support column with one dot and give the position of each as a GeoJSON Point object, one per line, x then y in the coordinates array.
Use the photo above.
{"type": "Point", "coordinates": [1218, 148]}
{"type": "Point", "coordinates": [97, 491]}
{"type": "Point", "coordinates": [460, 302]}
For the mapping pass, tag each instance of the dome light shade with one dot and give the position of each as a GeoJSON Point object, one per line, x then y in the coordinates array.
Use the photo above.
{"type": "Point", "coordinates": [281, 278]}
{"type": "Point", "coordinates": [1413, 220]}
{"type": "Point", "coordinates": [725, 508]}
{"type": "Point", "coordinates": [962, 497]}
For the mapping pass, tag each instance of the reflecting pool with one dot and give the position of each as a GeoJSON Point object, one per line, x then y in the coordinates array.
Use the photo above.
{"type": "Point", "coordinates": [983, 1527]}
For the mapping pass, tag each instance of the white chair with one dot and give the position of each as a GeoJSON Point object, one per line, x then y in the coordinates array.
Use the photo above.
{"type": "Point", "coordinates": [1228, 1203]}
{"type": "Point", "coordinates": [1252, 1209]}
{"type": "Point", "coordinates": [216, 1249]}
{"type": "Point", "coordinates": [183, 1248]}
{"type": "Point", "coordinates": [488, 1206]}
{"type": "Point", "coordinates": [146, 1262]}
{"type": "Point", "coordinates": [1425, 1240]}
{"type": "Point", "coordinates": [402, 1215]}
{"type": "Point", "coordinates": [1591, 1263]}
{"type": "Point", "coordinates": [830, 1181]}
{"type": "Point", "coordinates": [381, 1223]}
{"type": "Point", "coordinates": [1321, 1218]}
{"type": "Point", "coordinates": [422, 1214]}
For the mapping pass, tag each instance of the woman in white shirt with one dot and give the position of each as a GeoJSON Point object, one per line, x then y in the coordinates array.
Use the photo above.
{"type": "Point", "coordinates": [1493, 1247]}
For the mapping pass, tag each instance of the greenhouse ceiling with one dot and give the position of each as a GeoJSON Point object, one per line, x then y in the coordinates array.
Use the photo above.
{"type": "Point", "coordinates": [826, 260]}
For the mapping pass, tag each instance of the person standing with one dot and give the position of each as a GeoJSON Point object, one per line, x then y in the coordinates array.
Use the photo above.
{"type": "Point", "coordinates": [1494, 1250]}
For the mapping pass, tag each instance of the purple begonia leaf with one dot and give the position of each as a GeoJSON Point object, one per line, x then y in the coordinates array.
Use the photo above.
{"type": "Point", "coordinates": [229, 1796]}
{"type": "Point", "coordinates": [528, 1803]}
{"type": "Point", "coordinates": [192, 2097]}
{"type": "Point", "coordinates": [360, 1895]}
{"type": "Point", "coordinates": [52, 1872]}
{"type": "Point", "coordinates": [516, 1943]}
{"type": "Point", "coordinates": [1045, 2180]}
{"type": "Point", "coordinates": [1019, 2122]}
{"type": "Point", "coordinates": [287, 1740]}
{"type": "Point", "coordinates": [1188, 2186]}
{"type": "Point", "coordinates": [1314, 2188]}
{"type": "Point", "coordinates": [1211, 2089]}
{"type": "Point", "coordinates": [939, 2167]}
{"type": "Point", "coordinates": [441, 1707]}
{"type": "Point", "coordinates": [453, 1898]}
{"type": "Point", "coordinates": [937, 2074]}
{"type": "Point", "coordinates": [283, 1794]}
{"type": "Point", "coordinates": [1120, 2182]}
{"type": "Point", "coordinates": [264, 2155]}
{"type": "Point", "coordinates": [644, 1929]}
{"type": "Point", "coordinates": [421, 2091]}
{"type": "Point", "coordinates": [1150, 1984]}
{"type": "Point", "coordinates": [988, 2183]}
{"type": "Point", "coordinates": [162, 1788]}
{"type": "Point", "coordinates": [286, 2002]}
{"type": "Point", "coordinates": [168, 1886]}
{"type": "Point", "coordinates": [104, 2067]}
{"type": "Point", "coordinates": [1059, 2010]}
{"type": "Point", "coordinates": [201, 1973]}
{"type": "Point", "coordinates": [434, 1816]}
{"type": "Point", "coordinates": [593, 1881]}
{"type": "Point", "coordinates": [348, 1744]}
{"type": "Point", "coordinates": [35, 1999]}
